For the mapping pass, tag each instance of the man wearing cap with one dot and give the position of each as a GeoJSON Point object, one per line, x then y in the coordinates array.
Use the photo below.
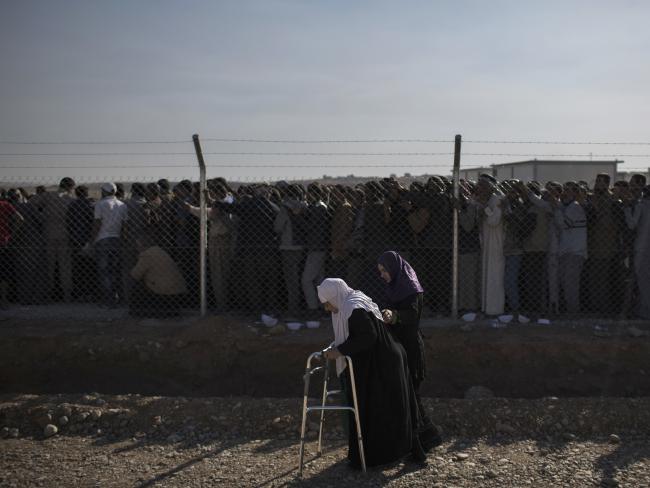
{"type": "Point", "coordinates": [110, 214]}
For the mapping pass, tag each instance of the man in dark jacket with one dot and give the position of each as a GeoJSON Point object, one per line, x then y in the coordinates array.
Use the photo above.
{"type": "Point", "coordinates": [79, 221]}
{"type": "Point", "coordinates": [317, 223]}
{"type": "Point", "coordinates": [256, 247]}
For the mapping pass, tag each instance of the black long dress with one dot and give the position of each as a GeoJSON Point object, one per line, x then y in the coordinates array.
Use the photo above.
{"type": "Point", "coordinates": [407, 331]}
{"type": "Point", "coordinates": [387, 408]}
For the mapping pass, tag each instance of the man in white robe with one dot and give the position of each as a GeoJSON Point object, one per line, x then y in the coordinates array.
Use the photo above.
{"type": "Point", "coordinates": [489, 199]}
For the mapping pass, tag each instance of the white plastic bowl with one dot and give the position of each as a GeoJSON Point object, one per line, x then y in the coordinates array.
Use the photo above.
{"type": "Point", "coordinates": [294, 325]}
{"type": "Point", "coordinates": [313, 324]}
{"type": "Point", "coordinates": [269, 321]}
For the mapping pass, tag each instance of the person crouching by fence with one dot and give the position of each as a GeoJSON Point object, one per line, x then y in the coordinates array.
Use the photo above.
{"type": "Point", "coordinates": [159, 284]}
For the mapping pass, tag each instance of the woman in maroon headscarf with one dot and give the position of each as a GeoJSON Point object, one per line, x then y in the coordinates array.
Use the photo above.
{"type": "Point", "coordinates": [404, 297]}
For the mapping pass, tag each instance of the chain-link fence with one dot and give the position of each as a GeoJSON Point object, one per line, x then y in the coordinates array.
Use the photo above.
{"type": "Point", "coordinates": [525, 249]}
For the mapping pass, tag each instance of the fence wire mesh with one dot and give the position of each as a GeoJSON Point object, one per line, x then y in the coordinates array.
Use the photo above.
{"type": "Point", "coordinates": [526, 249]}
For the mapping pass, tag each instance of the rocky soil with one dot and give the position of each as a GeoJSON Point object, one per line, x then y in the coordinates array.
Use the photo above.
{"type": "Point", "coordinates": [132, 440]}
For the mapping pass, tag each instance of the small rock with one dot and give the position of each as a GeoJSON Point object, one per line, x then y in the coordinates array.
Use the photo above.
{"type": "Point", "coordinates": [63, 420]}
{"type": "Point", "coordinates": [4, 433]}
{"type": "Point", "coordinates": [43, 419]}
{"type": "Point", "coordinates": [636, 332]}
{"type": "Point", "coordinates": [614, 439]}
{"type": "Point", "coordinates": [491, 474]}
{"type": "Point", "coordinates": [100, 401]}
{"type": "Point", "coordinates": [602, 333]}
{"type": "Point", "coordinates": [461, 456]}
{"type": "Point", "coordinates": [64, 409]}
{"type": "Point", "coordinates": [478, 392]}
{"type": "Point", "coordinates": [96, 414]}
{"type": "Point", "coordinates": [14, 433]}
{"type": "Point", "coordinates": [277, 330]}
{"type": "Point", "coordinates": [157, 420]}
{"type": "Point", "coordinates": [174, 438]}
{"type": "Point", "coordinates": [82, 416]}
{"type": "Point", "coordinates": [505, 428]}
{"type": "Point", "coordinates": [50, 430]}
{"type": "Point", "coordinates": [503, 461]}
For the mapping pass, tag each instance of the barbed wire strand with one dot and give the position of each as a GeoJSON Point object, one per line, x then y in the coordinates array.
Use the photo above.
{"type": "Point", "coordinates": [248, 153]}
{"type": "Point", "coordinates": [91, 143]}
{"type": "Point", "coordinates": [270, 165]}
{"type": "Point", "coordinates": [332, 141]}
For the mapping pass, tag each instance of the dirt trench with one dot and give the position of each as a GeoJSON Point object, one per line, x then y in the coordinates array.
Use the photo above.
{"type": "Point", "coordinates": [221, 356]}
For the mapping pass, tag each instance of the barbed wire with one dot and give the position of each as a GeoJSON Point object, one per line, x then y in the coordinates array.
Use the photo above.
{"type": "Point", "coordinates": [333, 141]}
{"type": "Point", "coordinates": [91, 143]}
{"type": "Point", "coordinates": [237, 153]}
{"type": "Point", "coordinates": [590, 155]}
{"type": "Point", "coordinates": [249, 153]}
{"type": "Point", "coordinates": [563, 143]}
{"type": "Point", "coordinates": [261, 165]}
{"type": "Point", "coordinates": [119, 166]}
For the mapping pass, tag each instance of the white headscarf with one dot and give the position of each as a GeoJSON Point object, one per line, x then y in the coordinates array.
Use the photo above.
{"type": "Point", "coordinates": [345, 299]}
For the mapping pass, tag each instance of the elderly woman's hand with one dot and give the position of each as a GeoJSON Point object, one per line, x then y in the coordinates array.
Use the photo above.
{"type": "Point", "coordinates": [388, 316]}
{"type": "Point", "coordinates": [332, 353]}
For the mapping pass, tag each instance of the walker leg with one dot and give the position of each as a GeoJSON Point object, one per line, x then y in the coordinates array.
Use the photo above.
{"type": "Point", "coordinates": [322, 412]}
{"type": "Point", "coordinates": [356, 415]}
{"type": "Point", "coordinates": [304, 421]}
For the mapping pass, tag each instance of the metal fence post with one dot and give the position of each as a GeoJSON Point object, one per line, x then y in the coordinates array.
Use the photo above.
{"type": "Point", "coordinates": [203, 237]}
{"type": "Point", "coordinates": [454, 249]}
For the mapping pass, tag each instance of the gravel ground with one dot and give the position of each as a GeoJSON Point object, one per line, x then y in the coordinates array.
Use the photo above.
{"type": "Point", "coordinates": [130, 440]}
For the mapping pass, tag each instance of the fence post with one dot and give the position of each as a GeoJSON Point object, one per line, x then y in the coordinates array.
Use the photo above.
{"type": "Point", "coordinates": [203, 237]}
{"type": "Point", "coordinates": [454, 248]}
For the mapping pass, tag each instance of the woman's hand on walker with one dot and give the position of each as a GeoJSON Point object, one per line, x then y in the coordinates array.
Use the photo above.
{"type": "Point", "coordinates": [332, 353]}
{"type": "Point", "coordinates": [387, 316]}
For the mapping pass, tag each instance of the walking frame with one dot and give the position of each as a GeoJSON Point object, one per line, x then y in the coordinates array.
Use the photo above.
{"type": "Point", "coordinates": [322, 407]}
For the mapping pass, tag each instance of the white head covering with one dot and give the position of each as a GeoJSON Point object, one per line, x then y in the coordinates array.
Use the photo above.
{"type": "Point", "coordinates": [345, 299]}
{"type": "Point", "coordinates": [109, 187]}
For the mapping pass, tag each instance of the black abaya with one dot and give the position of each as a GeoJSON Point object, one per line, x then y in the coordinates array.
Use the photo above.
{"type": "Point", "coordinates": [387, 407]}
{"type": "Point", "coordinates": [407, 332]}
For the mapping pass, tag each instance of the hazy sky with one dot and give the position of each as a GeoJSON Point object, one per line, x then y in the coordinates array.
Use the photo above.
{"type": "Point", "coordinates": [305, 70]}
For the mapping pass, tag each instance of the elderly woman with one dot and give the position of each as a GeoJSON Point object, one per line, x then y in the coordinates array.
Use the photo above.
{"type": "Point", "coordinates": [404, 300]}
{"type": "Point", "coordinates": [387, 409]}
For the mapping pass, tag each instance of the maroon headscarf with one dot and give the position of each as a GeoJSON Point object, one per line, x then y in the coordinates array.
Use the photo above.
{"type": "Point", "coordinates": [404, 281]}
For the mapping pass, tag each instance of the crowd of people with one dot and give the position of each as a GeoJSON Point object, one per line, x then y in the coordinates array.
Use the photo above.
{"type": "Point", "coordinates": [525, 249]}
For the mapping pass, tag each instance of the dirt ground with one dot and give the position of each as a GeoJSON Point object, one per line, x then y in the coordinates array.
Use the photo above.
{"type": "Point", "coordinates": [138, 441]}
{"type": "Point", "coordinates": [575, 413]}
{"type": "Point", "coordinates": [230, 355]}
